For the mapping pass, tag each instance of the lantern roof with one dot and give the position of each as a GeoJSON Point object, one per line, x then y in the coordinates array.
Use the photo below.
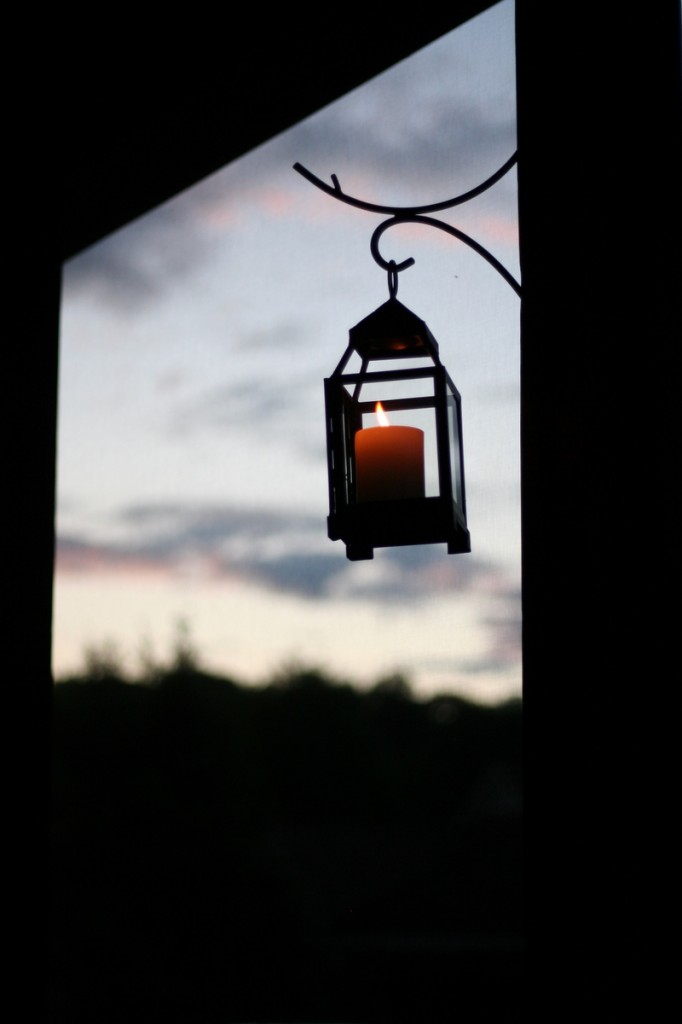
{"type": "Point", "coordinates": [392, 332]}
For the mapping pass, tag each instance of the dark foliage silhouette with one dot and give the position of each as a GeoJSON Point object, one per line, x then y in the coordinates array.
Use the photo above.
{"type": "Point", "coordinates": [299, 851]}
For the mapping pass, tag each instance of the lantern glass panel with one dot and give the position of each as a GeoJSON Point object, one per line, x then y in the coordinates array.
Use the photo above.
{"type": "Point", "coordinates": [455, 450]}
{"type": "Point", "coordinates": [378, 391]}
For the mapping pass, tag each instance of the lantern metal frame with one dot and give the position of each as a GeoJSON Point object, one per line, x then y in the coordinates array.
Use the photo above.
{"type": "Point", "coordinates": [393, 332]}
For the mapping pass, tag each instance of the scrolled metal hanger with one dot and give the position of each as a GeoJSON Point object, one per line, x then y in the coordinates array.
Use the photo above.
{"type": "Point", "coordinates": [418, 215]}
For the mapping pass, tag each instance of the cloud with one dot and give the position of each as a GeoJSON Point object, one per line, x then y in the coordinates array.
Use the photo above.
{"type": "Point", "coordinates": [443, 148]}
{"type": "Point", "coordinates": [309, 574]}
{"type": "Point", "coordinates": [288, 553]}
{"type": "Point", "coordinates": [499, 617]}
{"type": "Point", "coordinates": [259, 410]}
{"type": "Point", "coordinates": [171, 527]}
{"type": "Point", "coordinates": [132, 267]}
{"type": "Point", "coordinates": [78, 556]}
{"type": "Point", "coordinates": [282, 551]}
{"type": "Point", "coordinates": [285, 337]}
{"type": "Point", "coordinates": [420, 573]}
{"type": "Point", "coordinates": [504, 622]}
{"type": "Point", "coordinates": [243, 404]}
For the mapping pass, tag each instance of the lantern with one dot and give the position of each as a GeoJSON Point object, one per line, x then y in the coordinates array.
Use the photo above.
{"type": "Point", "coordinates": [394, 440]}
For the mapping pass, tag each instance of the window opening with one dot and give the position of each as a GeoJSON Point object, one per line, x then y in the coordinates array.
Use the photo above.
{"type": "Point", "coordinates": [194, 343]}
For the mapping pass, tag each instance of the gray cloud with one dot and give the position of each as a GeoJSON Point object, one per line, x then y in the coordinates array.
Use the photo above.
{"type": "Point", "coordinates": [244, 404]}
{"type": "Point", "coordinates": [287, 336]}
{"type": "Point", "coordinates": [288, 553]}
{"type": "Point", "coordinates": [504, 623]}
{"type": "Point", "coordinates": [438, 150]}
{"type": "Point", "coordinates": [250, 406]}
{"type": "Point", "coordinates": [500, 619]}
{"type": "Point", "coordinates": [132, 267]}
{"type": "Point", "coordinates": [305, 574]}
{"type": "Point", "coordinates": [168, 527]}
{"type": "Point", "coordinates": [280, 550]}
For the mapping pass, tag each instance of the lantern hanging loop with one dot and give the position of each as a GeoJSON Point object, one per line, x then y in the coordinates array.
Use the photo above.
{"type": "Point", "coordinates": [392, 270]}
{"type": "Point", "coordinates": [418, 215]}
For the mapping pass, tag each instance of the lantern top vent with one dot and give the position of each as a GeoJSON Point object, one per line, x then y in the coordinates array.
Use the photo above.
{"type": "Point", "coordinates": [393, 332]}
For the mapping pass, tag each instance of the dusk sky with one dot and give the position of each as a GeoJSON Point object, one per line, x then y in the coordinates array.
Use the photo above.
{"type": "Point", "coordinates": [194, 344]}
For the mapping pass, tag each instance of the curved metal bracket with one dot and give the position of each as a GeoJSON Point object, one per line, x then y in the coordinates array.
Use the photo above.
{"type": "Point", "coordinates": [455, 232]}
{"type": "Point", "coordinates": [417, 215]}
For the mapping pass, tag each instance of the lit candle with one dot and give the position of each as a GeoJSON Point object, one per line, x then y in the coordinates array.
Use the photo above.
{"type": "Point", "coordinates": [389, 461]}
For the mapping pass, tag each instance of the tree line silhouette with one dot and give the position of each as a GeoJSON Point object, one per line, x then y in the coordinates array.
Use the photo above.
{"type": "Point", "coordinates": [301, 850]}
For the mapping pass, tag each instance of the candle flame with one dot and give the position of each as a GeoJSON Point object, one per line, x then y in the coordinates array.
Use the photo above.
{"type": "Point", "coordinates": [381, 415]}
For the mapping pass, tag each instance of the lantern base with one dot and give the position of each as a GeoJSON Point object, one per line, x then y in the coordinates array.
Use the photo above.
{"type": "Point", "coordinates": [384, 524]}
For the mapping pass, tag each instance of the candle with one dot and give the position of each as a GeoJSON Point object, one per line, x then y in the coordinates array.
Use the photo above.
{"type": "Point", "coordinates": [389, 461]}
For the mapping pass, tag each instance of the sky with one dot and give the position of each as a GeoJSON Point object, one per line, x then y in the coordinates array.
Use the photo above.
{"type": "Point", "coordinates": [193, 347]}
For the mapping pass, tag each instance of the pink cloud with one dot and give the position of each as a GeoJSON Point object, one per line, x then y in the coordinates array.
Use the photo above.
{"type": "Point", "coordinates": [278, 202]}
{"type": "Point", "coordinates": [500, 229]}
{"type": "Point", "coordinates": [74, 557]}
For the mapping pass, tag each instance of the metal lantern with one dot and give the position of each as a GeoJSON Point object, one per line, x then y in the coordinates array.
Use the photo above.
{"type": "Point", "coordinates": [400, 479]}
